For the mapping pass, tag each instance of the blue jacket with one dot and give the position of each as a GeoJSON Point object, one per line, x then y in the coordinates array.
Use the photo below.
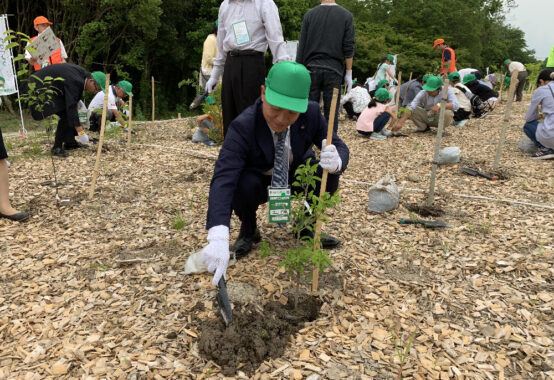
{"type": "Point", "coordinates": [249, 146]}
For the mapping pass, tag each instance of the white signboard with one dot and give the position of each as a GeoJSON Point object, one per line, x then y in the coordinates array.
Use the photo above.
{"type": "Point", "coordinates": [46, 43]}
{"type": "Point", "coordinates": [7, 75]}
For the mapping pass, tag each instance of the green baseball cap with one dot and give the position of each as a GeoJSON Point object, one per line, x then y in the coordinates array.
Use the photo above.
{"type": "Point", "coordinates": [433, 83]}
{"type": "Point", "coordinates": [100, 78]}
{"type": "Point", "coordinates": [382, 83]}
{"type": "Point", "coordinates": [390, 57]}
{"type": "Point", "coordinates": [468, 78]}
{"type": "Point", "coordinates": [507, 81]}
{"type": "Point", "coordinates": [382, 94]}
{"type": "Point", "coordinates": [454, 77]}
{"type": "Point", "coordinates": [288, 86]}
{"type": "Point", "coordinates": [354, 81]}
{"type": "Point", "coordinates": [126, 86]}
{"type": "Point", "coordinates": [425, 77]}
{"type": "Point", "coordinates": [217, 23]}
{"type": "Point", "coordinates": [507, 61]}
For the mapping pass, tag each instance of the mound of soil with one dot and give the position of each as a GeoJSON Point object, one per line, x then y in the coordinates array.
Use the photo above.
{"type": "Point", "coordinates": [424, 210]}
{"type": "Point", "coordinates": [255, 336]}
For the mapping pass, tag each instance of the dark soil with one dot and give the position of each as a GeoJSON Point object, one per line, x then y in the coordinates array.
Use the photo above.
{"type": "Point", "coordinates": [255, 336]}
{"type": "Point", "coordinates": [424, 210]}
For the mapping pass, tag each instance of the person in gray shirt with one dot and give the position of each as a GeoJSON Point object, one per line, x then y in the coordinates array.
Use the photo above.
{"type": "Point", "coordinates": [424, 109]}
{"type": "Point", "coordinates": [410, 89]}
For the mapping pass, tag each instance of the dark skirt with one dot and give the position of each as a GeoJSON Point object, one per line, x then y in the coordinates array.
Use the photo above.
{"type": "Point", "coordinates": [3, 153]}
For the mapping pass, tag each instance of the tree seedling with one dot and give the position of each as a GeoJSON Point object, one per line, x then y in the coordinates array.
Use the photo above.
{"type": "Point", "coordinates": [401, 352]}
{"type": "Point", "coordinates": [307, 209]}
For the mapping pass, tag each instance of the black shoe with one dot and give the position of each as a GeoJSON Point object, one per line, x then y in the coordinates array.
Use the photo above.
{"type": "Point", "coordinates": [60, 152]}
{"type": "Point", "coordinates": [423, 130]}
{"type": "Point", "coordinates": [327, 241]}
{"type": "Point", "coordinates": [77, 145]}
{"type": "Point", "coordinates": [243, 245]}
{"type": "Point", "coordinates": [18, 217]}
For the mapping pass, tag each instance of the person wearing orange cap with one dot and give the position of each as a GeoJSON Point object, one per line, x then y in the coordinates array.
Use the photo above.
{"type": "Point", "coordinates": [448, 62]}
{"type": "Point", "coordinates": [41, 23]}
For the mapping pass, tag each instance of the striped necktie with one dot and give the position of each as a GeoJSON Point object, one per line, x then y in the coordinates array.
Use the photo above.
{"type": "Point", "coordinates": [280, 177]}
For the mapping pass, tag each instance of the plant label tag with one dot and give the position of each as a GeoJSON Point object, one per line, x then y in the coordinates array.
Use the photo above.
{"type": "Point", "coordinates": [241, 33]}
{"type": "Point", "coordinates": [279, 205]}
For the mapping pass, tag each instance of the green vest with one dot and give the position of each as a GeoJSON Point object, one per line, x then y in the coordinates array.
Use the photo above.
{"type": "Point", "coordinates": [550, 62]}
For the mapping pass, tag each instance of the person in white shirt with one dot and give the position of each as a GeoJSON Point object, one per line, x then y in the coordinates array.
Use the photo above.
{"type": "Point", "coordinates": [116, 93]}
{"type": "Point", "coordinates": [245, 30]}
{"type": "Point", "coordinates": [521, 77]}
{"type": "Point", "coordinates": [463, 95]}
{"type": "Point", "coordinates": [355, 101]}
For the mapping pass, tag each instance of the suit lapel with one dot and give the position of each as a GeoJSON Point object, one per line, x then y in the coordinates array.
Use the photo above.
{"type": "Point", "coordinates": [264, 137]}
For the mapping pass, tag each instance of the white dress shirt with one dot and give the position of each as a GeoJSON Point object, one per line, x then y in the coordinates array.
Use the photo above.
{"type": "Point", "coordinates": [262, 23]}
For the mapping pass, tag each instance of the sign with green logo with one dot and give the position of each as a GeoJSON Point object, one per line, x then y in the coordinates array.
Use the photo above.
{"type": "Point", "coordinates": [279, 205]}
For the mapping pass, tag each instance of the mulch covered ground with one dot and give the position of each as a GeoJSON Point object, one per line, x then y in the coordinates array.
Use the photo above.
{"type": "Point", "coordinates": [95, 288]}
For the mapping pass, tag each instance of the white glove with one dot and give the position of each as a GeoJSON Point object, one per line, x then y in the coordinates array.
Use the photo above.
{"type": "Point", "coordinates": [216, 254]}
{"type": "Point", "coordinates": [348, 80]}
{"type": "Point", "coordinates": [329, 158]}
{"type": "Point", "coordinates": [83, 139]}
{"type": "Point", "coordinates": [212, 83]}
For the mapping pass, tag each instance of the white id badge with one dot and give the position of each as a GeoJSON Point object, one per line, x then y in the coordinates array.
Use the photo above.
{"type": "Point", "coordinates": [241, 33]}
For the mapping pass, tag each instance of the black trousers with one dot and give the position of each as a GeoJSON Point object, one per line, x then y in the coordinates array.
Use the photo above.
{"type": "Point", "coordinates": [65, 134]}
{"type": "Point", "coordinates": [522, 79]}
{"type": "Point", "coordinates": [242, 77]}
{"type": "Point", "coordinates": [349, 108]}
{"type": "Point", "coordinates": [251, 192]}
{"type": "Point", "coordinates": [323, 84]}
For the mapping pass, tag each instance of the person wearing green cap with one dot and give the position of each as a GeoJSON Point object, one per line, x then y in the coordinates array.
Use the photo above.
{"type": "Point", "coordinates": [68, 84]}
{"type": "Point", "coordinates": [116, 94]}
{"type": "Point", "coordinates": [463, 95]}
{"type": "Point", "coordinates": [424, 109]}
{"type": "Point", "coordinates": [383, 83]}
{"type": "Point", "coordinates": [488, 96]}
{"type": "Point", "coordinates": [384, 70]}
{"type": "Point", "coordinates": [263, 148]}
{"type": "Point", "coordinates": [375, 116]}
{"type": "Point", "coordinates": [521, 76]}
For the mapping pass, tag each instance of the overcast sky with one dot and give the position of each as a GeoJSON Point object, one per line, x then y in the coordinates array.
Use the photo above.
{"type": "Point", "coordinates": [535, 18]}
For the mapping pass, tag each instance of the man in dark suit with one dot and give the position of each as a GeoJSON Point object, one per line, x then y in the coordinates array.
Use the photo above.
{"type": "Point", "coordinates": [68, 83]}
{"type": "Point", "coordinates": [281, 120]}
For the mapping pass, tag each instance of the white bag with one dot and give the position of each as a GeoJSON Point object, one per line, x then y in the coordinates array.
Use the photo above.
{"type": "Point", "coordinates": [194, 263]}
{"type": "Point", "coordinates": [449, 155]}
{"type": "Point", "coordinates": [384, 195]}
{"type": "Point", "coordinates": [370, 84]}
{"type": "Point", "coordinates": [526, 145]}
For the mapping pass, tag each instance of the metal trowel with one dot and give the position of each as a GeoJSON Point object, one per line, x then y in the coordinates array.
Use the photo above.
{"type": "Point", "coordinates": [223, 300]}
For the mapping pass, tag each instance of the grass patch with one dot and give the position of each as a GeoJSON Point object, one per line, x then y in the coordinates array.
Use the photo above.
{"type": "Point", "coordinates": [179, 222]}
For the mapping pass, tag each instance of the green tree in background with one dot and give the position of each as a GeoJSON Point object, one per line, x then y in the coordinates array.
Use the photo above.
{"type": "Point", "coordinates": [137, 39]}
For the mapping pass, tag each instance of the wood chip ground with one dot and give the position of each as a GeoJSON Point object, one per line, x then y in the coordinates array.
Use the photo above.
{"type": "Point", "coordinates": [95, 288]}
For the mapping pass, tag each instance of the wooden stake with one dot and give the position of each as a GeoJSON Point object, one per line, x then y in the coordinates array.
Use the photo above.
{"type": "Point", "coordinates": [101, 140]}
{"type": "Point", "coordinates": [440, 129]}
{"type": "Point", "coordinates": [410, 77]}
{"type": "Point", "coordinates": [130, 124]}
{"type": "Point", "coordinates": [398, 90]}
{"type": "Point", "coordinates": [318, 224]}
{"type": "Point", "coordinates": [153, 104]}
{"type": "Point", "coordinates": [507, 114]}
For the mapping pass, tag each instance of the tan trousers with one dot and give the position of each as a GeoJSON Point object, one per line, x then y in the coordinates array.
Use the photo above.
{"type": "Point", "coordinates": [420, 119]}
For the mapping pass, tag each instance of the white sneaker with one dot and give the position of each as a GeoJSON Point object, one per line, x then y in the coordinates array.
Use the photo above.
{"type": "Point", "coordinates": [386, 132]}
{"type": "Point", "coordinates": [377, 136]}
{"type": "Point", "coordinates": [461, 123]}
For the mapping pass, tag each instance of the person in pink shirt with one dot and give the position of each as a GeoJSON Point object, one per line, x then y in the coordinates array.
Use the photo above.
{"type": "Point", "coordinates": [375, 117]}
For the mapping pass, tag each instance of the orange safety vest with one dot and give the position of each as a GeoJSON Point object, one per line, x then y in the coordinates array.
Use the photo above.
{"type": "Point", "coordinates": [452, 65]}
{"type": "Point", "coordinates": [56, 56]}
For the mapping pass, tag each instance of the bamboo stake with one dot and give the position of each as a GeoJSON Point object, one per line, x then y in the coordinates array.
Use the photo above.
{"type": "Point", "coordinates": [101, 139]}
{"type": "Point", "coordinates": [398, 90]}
{"type": "Point", "coordinates": [507, 114]}
{"type": "Point", "coordinates": [410, 77]}
{"type": "Point", "coordinates": [130, 124]}
{"type": "Point", "coordinates": [153, 103]}
{"type": "Point", "coordinates": [438, 144]}
{"type": "Point", "coordinates": [318, 224]}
